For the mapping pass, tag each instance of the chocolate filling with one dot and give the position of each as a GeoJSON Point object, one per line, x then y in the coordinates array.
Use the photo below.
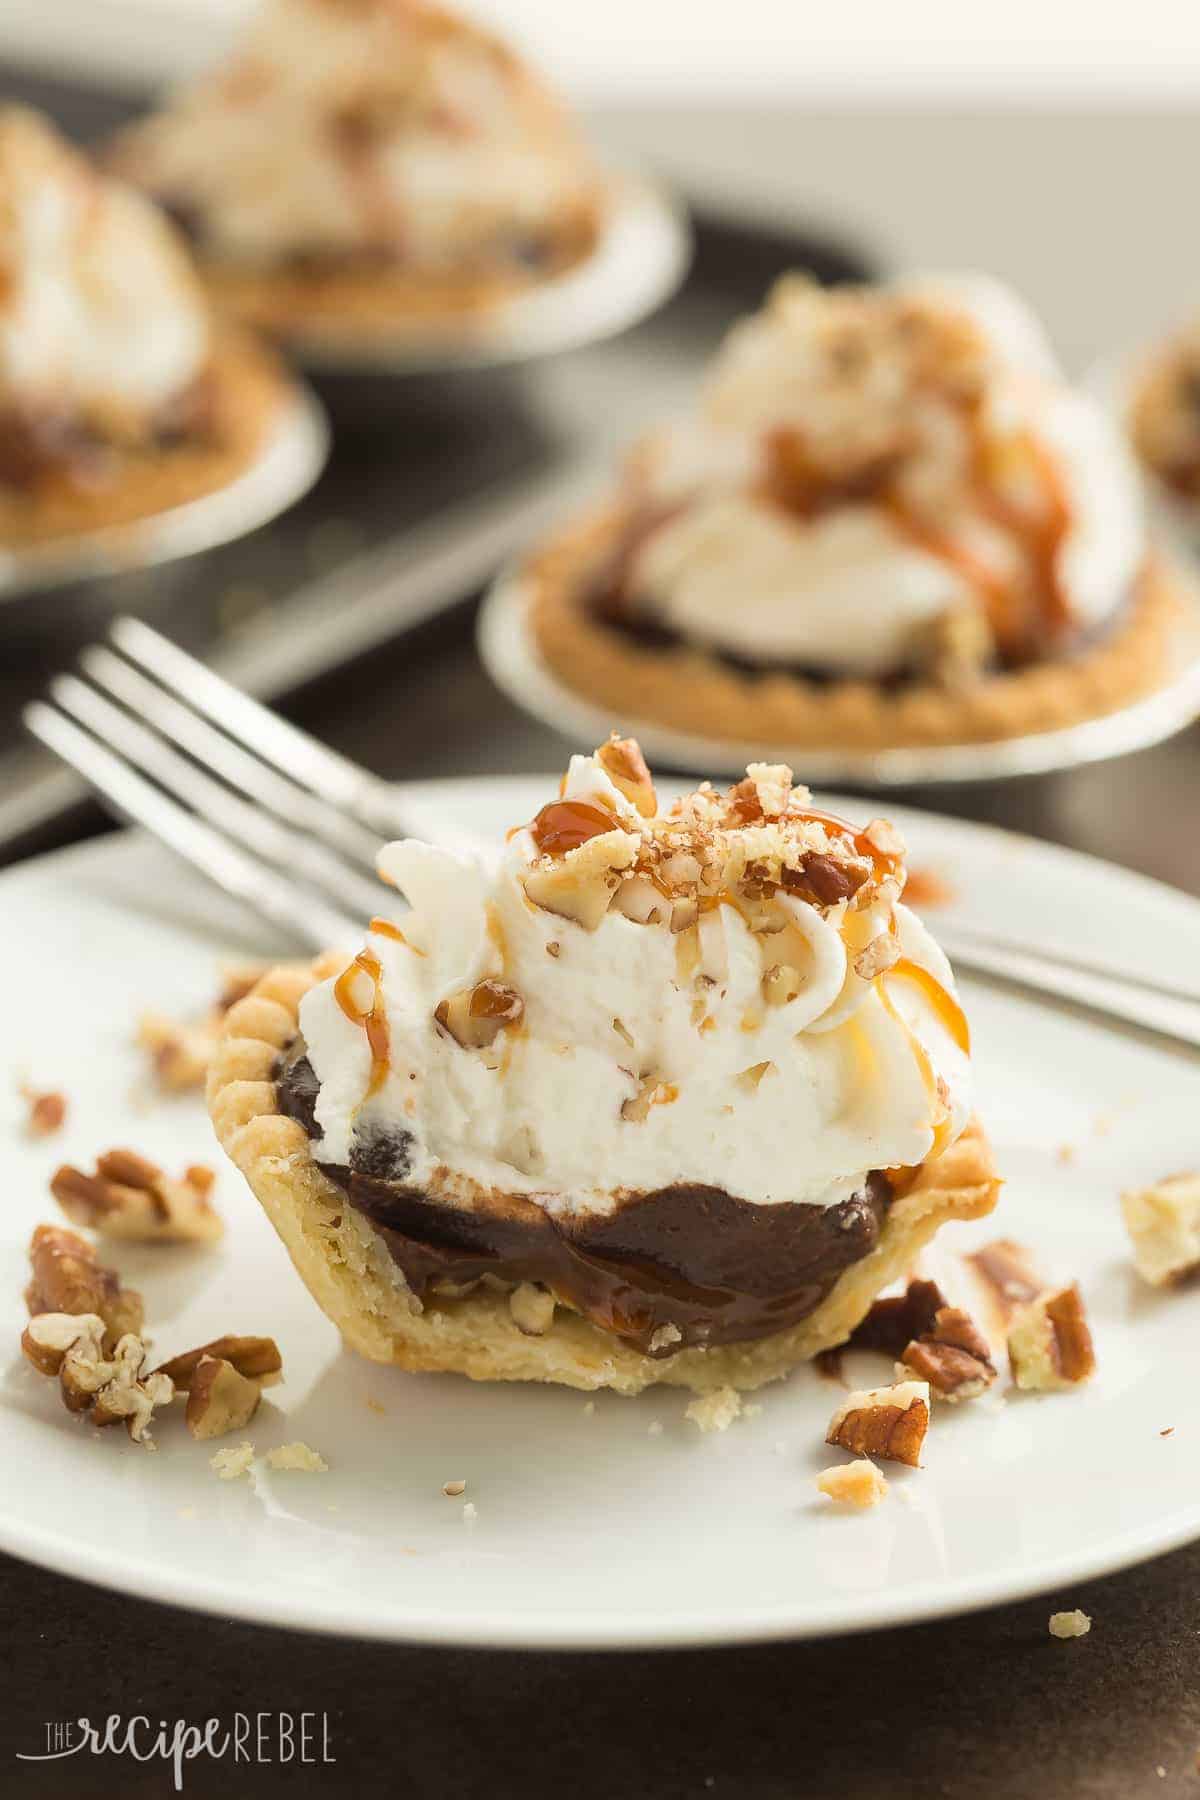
{"type": "Point", "coordinates": [717, 1269]}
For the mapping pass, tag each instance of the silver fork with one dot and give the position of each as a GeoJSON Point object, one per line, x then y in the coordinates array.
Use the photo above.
{"type": "Point", "coordinates": [292, 828]}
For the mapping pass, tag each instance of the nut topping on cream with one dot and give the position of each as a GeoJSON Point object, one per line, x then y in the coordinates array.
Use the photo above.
{"type": "Point", "coordinates": [883, 481]}
{"type": "Point", "coordinates": [724, 991]}
{"type": "Point", "coordinates": [395, 132]}
{"type": "Point", "coordinates": [103, 328]}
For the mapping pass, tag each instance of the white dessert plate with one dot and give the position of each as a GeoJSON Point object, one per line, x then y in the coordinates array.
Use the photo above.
{"type": "Point", "coordinates": [639, 261]}
{"type": "Point", "coordinates": [619, 1524]}
{"type": "Point", "coordinates": [289, 462]}
{"type": "Point", "coordinates": [515, 664]}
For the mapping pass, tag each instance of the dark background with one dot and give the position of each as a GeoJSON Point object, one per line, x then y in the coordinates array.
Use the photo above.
{"type": "Point", "coordinates": [988, 1706]}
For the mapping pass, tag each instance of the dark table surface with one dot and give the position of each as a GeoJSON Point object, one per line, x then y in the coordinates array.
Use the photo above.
{"type": "Point", "coordinates": [986, 1706]}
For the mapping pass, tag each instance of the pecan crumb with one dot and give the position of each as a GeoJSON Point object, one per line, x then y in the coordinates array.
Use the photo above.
{"type": "Point", "coordinates": [129, 1197]}
{"type": "Point", "coordinates": [888, 1422]}
{"type": "Point", "coordinates": [219, 1399]}
{"type": "Point", "coordinates": [1050, 1344]}
{"type": "Point", "coordinates": [256, 1358]}
{"type": "Point", "coordinates": [107, 1386]}
{"type": "Point", "coordinates": [47, 1111]}
{"type": "Point", "coordinates": [65, 1277]}
{"type": "Point", "coordinates": [452, 1489]}
{"type": "Point", "coordinates": [474, 1017]}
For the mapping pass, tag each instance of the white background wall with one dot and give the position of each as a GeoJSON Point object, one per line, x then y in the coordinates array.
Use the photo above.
{"type": "Point", "coordinates": [956, 48]}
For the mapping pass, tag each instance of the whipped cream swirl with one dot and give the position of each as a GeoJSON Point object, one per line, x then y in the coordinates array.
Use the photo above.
{"type": "Point", "coordinates": [336, 131]}
{"type": "Point", "coordinates": [102, 323]}
{"type": "Point", "coordinates": [867, 464]}
{"type": "Point", "coordinates": [725, 993]}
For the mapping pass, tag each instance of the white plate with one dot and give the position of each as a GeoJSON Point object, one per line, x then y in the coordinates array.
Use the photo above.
{"type": "Point", "coordinates": [592, 1532]}
{"type": "Point", "coordinates": [514, 662]}
{"type": "Point", "coordinates": [290, 461]}
{"type": "Point", "coordinates": [641, 258]}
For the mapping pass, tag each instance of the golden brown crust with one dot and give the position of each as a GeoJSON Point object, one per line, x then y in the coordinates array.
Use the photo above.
{"type": "Point", "coordinates": [371, 302]}
{"type": "Point", "coordinates": [250, 387]}
{"type": "Point", "coordinates": [689, 690]}
{"type": "Point", "coordinates": [353, 1278]}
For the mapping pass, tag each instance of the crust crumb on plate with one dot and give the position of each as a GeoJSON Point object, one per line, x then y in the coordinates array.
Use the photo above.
{"type": "Point", "coordinates": [1069, 1624]}
{"type": "Point", "coordinates": [300, 1457]}
{"type": "Point", "coordinates": [1163, 1222]}
{"type": "Point", "coordinates": [858, 1484]}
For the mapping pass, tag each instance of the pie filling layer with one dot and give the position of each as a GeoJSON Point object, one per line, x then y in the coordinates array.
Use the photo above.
{"type": "Point", "coordinates": [681, 1265]}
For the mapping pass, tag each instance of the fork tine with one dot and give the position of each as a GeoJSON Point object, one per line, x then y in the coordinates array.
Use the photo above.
{"type": "Point", "coordinates": [303, 916]}
{"type": "Point", "coordinates": [214, 750]}
{"type": "Point", "coordinates": [240, 820]}
{"type": "Point", "coordinates": [337, 780]}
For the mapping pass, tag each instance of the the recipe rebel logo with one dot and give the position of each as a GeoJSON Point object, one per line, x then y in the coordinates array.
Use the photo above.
{"type": "Point", "coordinates": [259, 1738]}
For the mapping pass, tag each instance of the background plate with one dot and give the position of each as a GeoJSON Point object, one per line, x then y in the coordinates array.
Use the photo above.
{"type": "Point", "coordinates": [290, 461]}
{"type": "Point", "coordinates": [641, 258]}
{"type": "Point", "coordinates": [515, 665]}
{"type": "Point", "coordinates": [592, 1532]}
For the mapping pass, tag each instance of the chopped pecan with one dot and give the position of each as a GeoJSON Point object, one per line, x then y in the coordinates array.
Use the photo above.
{"type": "Point", "coordinates": [220, 1399]}
{"type": "Point", "coordinates": [623, 763]}
{"type": "Point", "coordinates": [67, 1278]}
{"type": "Point", "coordinates": [107, 1386]}
{"type": "Point", "coordinates": [181, 1050]}
{"type": "Point", "coordinates": [888, 1422]}
{"type": "Point", "coordinates": [953, 1356]}
{"type": "Point", "coordinates": [48, 1336]}
{"type": "Point", "coordinates": [581, 884]}
{"type": "Point", "coordinates": [475, 1017]}
{"type": "Point", "coordinates": [1163, 1222]}
{"type": "Point", "coordinates": [1050, 1343]}
{"type": "Point", "coordinates": [47, 1111]}
{"type": "Point", "coordinates": [879, 955]}
{"type": "Point", "coordinates": [257, 1358]}
{"type": "Point", "coordinates": [129, 1197]}
{"type": "Point", "coordinates": [896, 1319]}
{"type": "Point", "coordinates": [127, 1393]}
{"type": "Point", "coordinates": [829, 879]}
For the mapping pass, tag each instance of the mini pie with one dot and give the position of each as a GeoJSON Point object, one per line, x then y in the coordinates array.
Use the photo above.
{"type": "Point", "coordinates": [1164, 415]}
{"type": "Point", "coordinates": [889, 523]}
{"type": "Point", "coordinates": [119, 397]}
{"type": "Point", "coordinates": [361, 166]}
{"type": "Point", "coordinates": [662, 1097]}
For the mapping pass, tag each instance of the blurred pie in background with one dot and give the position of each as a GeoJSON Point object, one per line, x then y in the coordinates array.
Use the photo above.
{"type": "Point", "coordinates": [357, 164]}
{"type": "Point", "coordinates": [888, 522]}
{"type": "Point", "coordinates": [119, 397]}
{"type": "Point", "coordinates": [1164, 415]}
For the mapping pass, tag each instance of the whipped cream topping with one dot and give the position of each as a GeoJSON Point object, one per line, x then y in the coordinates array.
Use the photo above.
{"type": "Point", "coordinates": [101, 319]}
{"type": "Point", "coordinates": [868, 462]}
{"type": "Point", "coordinates": [375, 128]}
{"type": "Point", "coordinates": [727, 992]}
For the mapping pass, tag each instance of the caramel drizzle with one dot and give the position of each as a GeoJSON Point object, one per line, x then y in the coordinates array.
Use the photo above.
{"type": "Point", "coordinates": [564, 825]}
{"type": "Point", "coordinates": [385, 928]}
{"type": "Point", "coordinates": [372, 1018]}
{"type": "Point", "coordinates": [945, 1006]}
{"type": "Point", "coordinates": [954, 1019]}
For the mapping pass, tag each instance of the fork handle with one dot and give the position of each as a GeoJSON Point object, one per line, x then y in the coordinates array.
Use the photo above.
{"type": "Point", "coordinates": [1167, 1015]}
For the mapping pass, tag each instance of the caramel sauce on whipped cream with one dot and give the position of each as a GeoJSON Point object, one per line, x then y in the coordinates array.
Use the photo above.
{"type": "Point", "coordinates": [670, 1063]}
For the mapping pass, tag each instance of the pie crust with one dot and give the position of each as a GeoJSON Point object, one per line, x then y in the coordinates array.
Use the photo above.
{"type": "Point", "coordinates": [374, 302]}
{"type": "Point", "coordinates": [689, 689]}
{"type": "Point", "coordinates": [250, 389]}
{"type": "Point", "coordinates": [347, 1268]}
